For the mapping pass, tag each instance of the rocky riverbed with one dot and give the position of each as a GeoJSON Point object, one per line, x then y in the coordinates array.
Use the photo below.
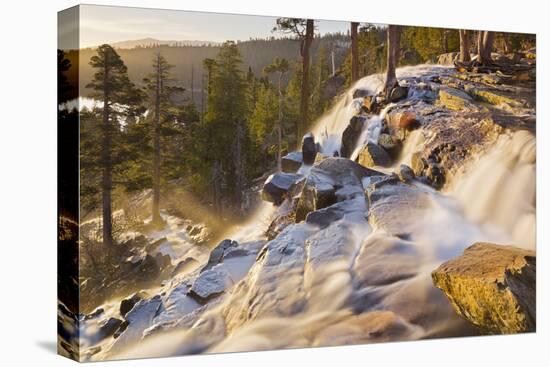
{"type": "Point", "coordinates": [355, 239]}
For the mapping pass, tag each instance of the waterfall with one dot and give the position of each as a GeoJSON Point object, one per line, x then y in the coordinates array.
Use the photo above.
{"type": "Point", "coordinates": [499, 187]}
{"type": "Point", "coordinates": [335, 285]}
{"type": "Point", "coordinates": [329, 128]}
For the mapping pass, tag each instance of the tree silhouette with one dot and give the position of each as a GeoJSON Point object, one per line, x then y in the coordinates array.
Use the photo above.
{"type": "Point", "coordinates": [119, 96]}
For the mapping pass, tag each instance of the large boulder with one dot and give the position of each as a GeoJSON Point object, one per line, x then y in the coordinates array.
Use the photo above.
{"type": "Point", "coordinates": [492, 286]}
{"type": "Point", "coordinates": [351, 135]}
{"type": "Point", "coordinates": [291, 162]}
{"type": "Point", "coordinates": [319, 192]}
{"type": "Point", "coordinates": [278, 186]}
{"type": "Point", "coordinates": [309, 149]}
{"type": "Point", "coordinates": [333, 180]}
{"type": "Point", "coordinates": [402, 119]}
{"type": "Point", "coordinates": [374, 155]}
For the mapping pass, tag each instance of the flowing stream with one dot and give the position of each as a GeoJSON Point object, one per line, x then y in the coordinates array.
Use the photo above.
{"type": "Point", "coordinates": [349, 282]}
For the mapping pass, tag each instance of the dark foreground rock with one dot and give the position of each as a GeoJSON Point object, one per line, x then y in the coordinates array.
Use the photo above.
{"type": "Point", "coordinates": [492, 286]}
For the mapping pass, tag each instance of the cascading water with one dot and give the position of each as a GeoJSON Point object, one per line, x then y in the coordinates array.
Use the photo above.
{"type": "Point", "coordinates": [328, 130]}
{"type": "Point", "coordinates": [498, 189]}
{"type": "Point", "coordinates": [351, 282]}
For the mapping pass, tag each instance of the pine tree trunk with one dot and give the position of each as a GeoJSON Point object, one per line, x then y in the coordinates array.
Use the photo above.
{"type": "Point", "coordinates": [479, 46]}
{"type": "Point", "coordinates": [354, 52]}
{"type": "Point", "coordinates": [106, 178]}
{"type": "Point", "coordinates": [506, 42]}
{"type": "Point", "coordinates": [464, 45]}
{"type": "Point", "coordinates": [445, 41]}
{"type": "Point", "coordinates": [484, 46]}
{"type": "Point", "coordinates": [156, 150]}
{"type": "Point", "coordinates": [488, 39]}
{"type": "Point", "coordinates": [393, 53]}
{"type": "Point", "coordinates": [279, 127]}
{"type": "Point", "coordinates": [304, 105]}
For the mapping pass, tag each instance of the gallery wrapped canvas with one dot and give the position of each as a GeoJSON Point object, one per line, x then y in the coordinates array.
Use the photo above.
{"type": "Point", "coordinates": [233, 183]}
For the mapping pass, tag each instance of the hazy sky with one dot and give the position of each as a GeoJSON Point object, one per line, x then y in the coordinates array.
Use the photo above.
{"type": "Point", "coordinates": [105, 24]}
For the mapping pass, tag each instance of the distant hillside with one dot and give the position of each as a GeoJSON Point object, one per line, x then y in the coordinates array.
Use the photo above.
{"type": "Point", "coordinates": [149, 42]}
{"type": "Point", "coordinates": [255, 54]}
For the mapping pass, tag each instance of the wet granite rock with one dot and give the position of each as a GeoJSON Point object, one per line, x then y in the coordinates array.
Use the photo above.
{"type": "Point", "coordinates": [405, 173]}
{"type": "Point", "coordinates": [277, 187]}
{"type": "Point", "coordinates": [398, 93]}
{"type": "Point", "coordinates": [184, 265]}
{"type": "Point", "coordinates": [219, 252]}
{"type": "Point", "coordinates": [370, 104]}
{"type": "Point", "coordinates": [332, 180]}
{"type": "Point", "coordinates": [210, 284]}
{"type": "Point", "coordinates": [394, 206]}
{"type": "Point", "coordinates": [109, 327]}
{"type": "Point", "coordinates": [291, 162]}
{"type": "Point", "coordinates": [402, 119]}
{"type": "Point", "coordinates": [390, 143]}
{"type": "Point", "coordinates": [309, 149]}
{"type": "Point", "coordinates": [374, 155]}
{"type": "Point", "coordinates": [351, 135]}
{"type": "Point", "coordinates": [359, 93]}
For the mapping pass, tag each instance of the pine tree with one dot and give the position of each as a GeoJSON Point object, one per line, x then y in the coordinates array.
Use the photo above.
{"type": "Point", "coordinates": [393, 58]}
{"type": "Point", "coordinates": [160, 89]}
{"type": "Point", "coordinates": [320, 73]}
{"type": "Point", "coordinates": [354, 52]}
{"type": "Point", "coordinates": [119, 96]}
{"type": "Point", "coordinates": [303, 29]}
{"type": "Point", "coordinates": [279, 66]}
{"type": "Point", "coordinates": [64, 88]}
{"type": "Point", "coordinates": [464, 45]}
{"type": "Point", "coordinates": [225, 119]}
{"type": "Point", "coordinates": [485, 46]}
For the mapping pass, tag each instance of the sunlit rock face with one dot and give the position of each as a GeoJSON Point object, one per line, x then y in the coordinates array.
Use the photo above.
{"type": "Point", "coordinates": [492, 286]}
